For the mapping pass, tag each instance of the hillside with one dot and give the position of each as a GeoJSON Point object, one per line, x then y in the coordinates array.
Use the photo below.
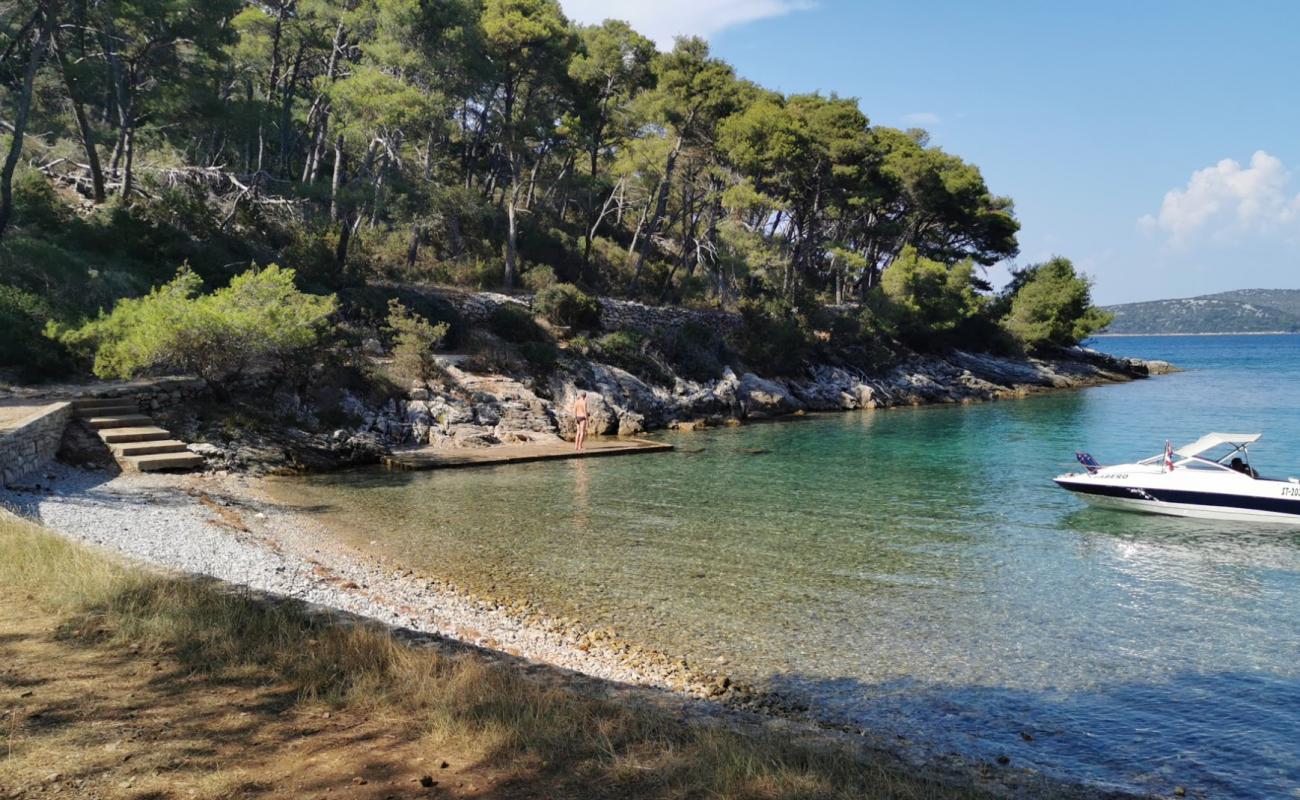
{"type": "Point", "coordinates": [1239, 311]}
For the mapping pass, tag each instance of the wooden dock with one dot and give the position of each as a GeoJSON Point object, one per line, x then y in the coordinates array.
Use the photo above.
{"type": "Point", "coordinates": [449, 458]}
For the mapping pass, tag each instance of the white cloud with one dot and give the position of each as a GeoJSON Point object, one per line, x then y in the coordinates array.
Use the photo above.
{"type": "Point", "coordinates": [1227, 200]}
{"type": "Point", "coordinates": [922, 118]}
{"type": "Point", "coordinates": [661, 20]}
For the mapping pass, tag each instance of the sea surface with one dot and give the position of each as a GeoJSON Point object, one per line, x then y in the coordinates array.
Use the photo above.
{"type": "Point", "coordinates": [915, 571]}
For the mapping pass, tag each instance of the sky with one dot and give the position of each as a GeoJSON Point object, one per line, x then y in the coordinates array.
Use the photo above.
{"type": "Point", "coordinates": [1156, 143]}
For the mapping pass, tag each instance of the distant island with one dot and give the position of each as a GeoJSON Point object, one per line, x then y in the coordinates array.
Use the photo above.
{"type": "Point", "coordinates": [1240, 311]}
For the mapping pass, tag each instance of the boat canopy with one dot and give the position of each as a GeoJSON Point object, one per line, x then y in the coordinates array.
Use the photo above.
{"type": "Point", "coordinates": [1212, 440]}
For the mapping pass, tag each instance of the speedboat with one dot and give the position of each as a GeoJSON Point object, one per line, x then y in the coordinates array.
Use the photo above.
{"type": "Point", "coordinates": [1211, 478]}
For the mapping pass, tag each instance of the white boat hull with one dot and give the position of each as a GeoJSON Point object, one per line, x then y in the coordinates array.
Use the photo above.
{"type": "Point", "coordinates": [1190, 510]}
{"type": "Point", "coordinates": [1226, 497]}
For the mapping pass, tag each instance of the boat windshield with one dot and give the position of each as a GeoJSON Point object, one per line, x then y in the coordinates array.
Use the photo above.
{"type": "Point", "coordinates": [1229, 455]}
{"type": "Point", "coordinates": [1214, 452]}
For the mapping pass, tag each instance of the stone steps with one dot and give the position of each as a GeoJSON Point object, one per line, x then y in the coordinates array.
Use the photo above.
{"type": "Point", "coordinates": [135, 441]}
{"type": "Point", "coordinates": [117, 421]}
{"type": "Point", "coordinates": [148, 448]}
{"type": "Point", "coordinates": [117, 409]}
{"type": "Point", "coordinates": [157, 461]}
{"type": "Point", "coordinates": [84, 407]}
{"type": "Point", "coordinates": [146, 433]}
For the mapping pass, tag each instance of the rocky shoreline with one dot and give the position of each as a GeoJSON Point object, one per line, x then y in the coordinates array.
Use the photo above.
{"type": "Point", "coordinates": [472, 408]}
{"type": "Point", "coordinates": [228, 527]}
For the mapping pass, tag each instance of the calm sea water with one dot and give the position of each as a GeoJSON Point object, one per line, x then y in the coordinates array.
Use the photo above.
{"type": "Point", "coordinates": [915, 571]}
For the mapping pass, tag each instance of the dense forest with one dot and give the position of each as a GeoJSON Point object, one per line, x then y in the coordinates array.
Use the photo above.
{"type": "Point", "coordinates": [482, 143]}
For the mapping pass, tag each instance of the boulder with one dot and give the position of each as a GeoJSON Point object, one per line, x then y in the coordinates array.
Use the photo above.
{"type": "Point", "coordinates": [760, 397]}
{"type": "Point", "coordinates": [472, 436]}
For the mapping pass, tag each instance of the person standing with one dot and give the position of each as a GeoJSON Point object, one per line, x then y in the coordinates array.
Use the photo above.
{"type": "Point", "coordinates": [580, 417]}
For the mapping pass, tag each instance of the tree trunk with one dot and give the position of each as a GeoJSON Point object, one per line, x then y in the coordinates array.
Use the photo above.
{"type": "Point", "coordinates": [125, 114]}
{"type": "Point", "coordinates": [661, 206]}
{"type": "Point", "coordinates": [413, 249]}
{"type": "Point", "coordinates": [83, 129]}
{"type": "Point", "coordinates": [338, 177]}
{"type": "Point", "coordinates": [23, 105]}
{"type": "Point", "coordinates": [512, 234]}
{"type": "Point", "coordinates": [322, 129]}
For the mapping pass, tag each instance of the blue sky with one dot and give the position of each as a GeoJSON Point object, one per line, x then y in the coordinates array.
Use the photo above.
{"type": "Point", "coordinates": [1151, 142]}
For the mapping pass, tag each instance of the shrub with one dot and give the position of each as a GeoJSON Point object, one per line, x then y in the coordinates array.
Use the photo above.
{"type": "Point", "coordinates": [567, 305]}
{"type": "Point", "coordinates": [541, 356]}
{"type": "Point", "coordinates": [1051, 305]}
{"type": "Point", "coordinates": [414, 340]}
{"type": "Point", "coordinates": [694, 351]}
{"type": "Point", "coordinates": [475, 273]}
{"type": "Point", "coordinates": [630, 350]}
{"type": "Point", "coordinates": [515, 324]}
{"type": "Point", "coordinates": [23, 345]}
{"type": "Point", "coordinates": [260, 316]}
{"type": "Point", "coordinates": [539, 278]}
{"type": "Point", "coordinates": [36, 204]}
{"type": "Point", "coordinates": [773, 339]}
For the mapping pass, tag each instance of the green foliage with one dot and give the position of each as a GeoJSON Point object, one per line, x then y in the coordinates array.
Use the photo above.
{"type": "Point", "coordinates": [631, 350]}
{"type": "Point", "coordinates": [1051, 305]}
{"type": "Point", "coordinates": [36, 204]}
{"type": "Point", "coordinates": [539, 278]}
{"type": "Point", "coordinates": [774, 340]}
{"type": "Point", "coordinates": [410, 141]}
{"type": "Point", "coordinates": [567, 305]}
{"type": "Point", "coordinates": [694, 351]}
{"type": "Point", "coordinates": [24, 347]}
{"type": "Point", "coordinates": [928, 297]}
{"type": "Point", "coordinates": [515, 324]}
{"type": "Point", "coordinates": [414, 340]}
{"type": "Point", "coordinates": [541, 356]}
{"type": "Point", "coordinates": [259, 318]}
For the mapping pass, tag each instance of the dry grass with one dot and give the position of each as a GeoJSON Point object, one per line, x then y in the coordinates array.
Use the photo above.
{"type": "Point", "coordinates": [221, 649]}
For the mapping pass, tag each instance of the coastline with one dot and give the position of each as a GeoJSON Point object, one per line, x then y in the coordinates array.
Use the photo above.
{"type": "Point", "coordinates": [228, 527]}
{"type": "Point", "coordinates": [1207, 333]}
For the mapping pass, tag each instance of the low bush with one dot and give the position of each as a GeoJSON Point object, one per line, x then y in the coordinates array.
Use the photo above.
{"type": "Point", "coordinates": [471, 273]}
{"type": "Point", "coordinates": [567, 305]}
{"type": "Point", "coordinates": [36, 204]}
{"type": "Point", "coordinates": [542, 357]}
{"type": "Point", "coordinates": [24, 348]}
{"type": "Point", "coordinates": [631, 350]}
{"type": "Point", "coordinates": [259, 317]}
{"type": "Point", "coordinates": [694, 351]}
{"type": "Point", "coordinates": [773, 341]}
{"type": "Point", "coordinates": [514, 324]}
{"type": "Point", "coordinates": [414, 340]}
{"type": "Point", "coordinates": [539, 277]}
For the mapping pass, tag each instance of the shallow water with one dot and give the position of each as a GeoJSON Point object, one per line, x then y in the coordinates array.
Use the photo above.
{"type": "Point", "coordinates": [915, 571]}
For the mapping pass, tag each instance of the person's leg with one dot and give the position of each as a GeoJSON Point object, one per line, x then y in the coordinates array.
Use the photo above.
{"type": "Point", "coordinates": [577, 437]}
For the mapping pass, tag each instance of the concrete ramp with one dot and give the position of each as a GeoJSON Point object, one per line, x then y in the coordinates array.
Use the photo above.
{"type": "Point", "coordinates": [454, 458]}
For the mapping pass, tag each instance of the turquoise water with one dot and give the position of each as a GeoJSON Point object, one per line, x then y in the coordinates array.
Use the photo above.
{"type": "Point", "coordinates": [915, 571]}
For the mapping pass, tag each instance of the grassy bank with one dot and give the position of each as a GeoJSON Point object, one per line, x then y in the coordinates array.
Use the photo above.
{"type": "Point", "coordinates": [122, 682]}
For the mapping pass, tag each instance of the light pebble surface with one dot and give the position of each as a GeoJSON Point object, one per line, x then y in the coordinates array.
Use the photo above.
{"type": "Point", "coordinates": [163, 520]}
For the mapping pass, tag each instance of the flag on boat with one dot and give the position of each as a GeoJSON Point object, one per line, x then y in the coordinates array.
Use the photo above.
{"type": "Point", "coordinates": [1169, 456]}
{"type": "Point", "coordinates": [1089, 463]}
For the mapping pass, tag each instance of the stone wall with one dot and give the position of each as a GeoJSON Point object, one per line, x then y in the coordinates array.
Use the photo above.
{"type": "Point", "coordinates": [615, 315]}
{"type": "Point", "coordinates": [31, 443]}
{"type": "Point", "coordinates": [154, 394]}
{"type": "Point", "coordinates": [625, 314]}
